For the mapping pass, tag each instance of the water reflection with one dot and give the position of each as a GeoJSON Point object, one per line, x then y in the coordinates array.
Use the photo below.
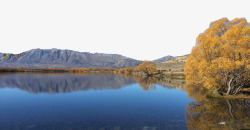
{"type": "Point", "coordinates": [196, 93]}
{"type": "Point", "coordinates": [215, 113]}
{"type": "Point", "coordinates": [172, 83]}
{"type": "Point", "coordinates": [163, 106]}
{"type": "Point", "coordinates": [119, 104]}
{"type": "Point", "coordinates": [149, 83]}
{"type": "Point", "coordinates": [62, 83]}
{"type": "Point", "coordinates": [221, 115]}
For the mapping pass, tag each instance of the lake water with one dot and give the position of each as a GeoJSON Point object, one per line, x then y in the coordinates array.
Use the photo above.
{"type": "Point", "coordinates": [111, 102]}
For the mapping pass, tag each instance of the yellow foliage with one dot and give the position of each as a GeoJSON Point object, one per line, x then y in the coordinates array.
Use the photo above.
{"type": "Point", "coordinates": [4, 56]}
{"type": "Point", "coordinates": [147, 67]}
{"type": "Point", "coordinates": [221, 52]}
{"type": "Point", "coordinates": [147, 83]}
{"type": "Point", "coordinates": [209, 115]}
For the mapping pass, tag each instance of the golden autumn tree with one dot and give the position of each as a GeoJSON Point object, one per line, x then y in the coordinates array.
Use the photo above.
{"type": "Point", "coordinates": [220, 58]}
{"type": "Point", "coordinates": [128, 70]}
{"type": "Point", "coordinates": [148, 67]}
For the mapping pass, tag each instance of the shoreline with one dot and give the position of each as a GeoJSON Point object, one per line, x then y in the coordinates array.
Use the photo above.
{"type": "Point", "coordinates": [159, 74]}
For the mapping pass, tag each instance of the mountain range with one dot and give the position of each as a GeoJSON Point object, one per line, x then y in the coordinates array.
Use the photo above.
{"type": "Point", "coordinates": [56, 58]}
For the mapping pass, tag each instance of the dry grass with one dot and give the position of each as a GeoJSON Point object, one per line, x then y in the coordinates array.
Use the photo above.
{"type": "Point", "coordinates": [173, 67]}
{"type": "Point", "coordinates": [238, 96]}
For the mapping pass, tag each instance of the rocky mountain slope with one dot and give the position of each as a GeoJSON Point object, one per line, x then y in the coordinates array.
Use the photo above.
{"type": "Point", "coordinates": [55, 58]}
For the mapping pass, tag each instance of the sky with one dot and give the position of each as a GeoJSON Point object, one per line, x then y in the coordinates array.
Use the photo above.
{"type": "Point", "coordinates": [140, 29]}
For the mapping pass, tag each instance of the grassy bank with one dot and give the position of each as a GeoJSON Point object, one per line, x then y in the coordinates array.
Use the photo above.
{"type": "Point", "coordinates": [213, 95]}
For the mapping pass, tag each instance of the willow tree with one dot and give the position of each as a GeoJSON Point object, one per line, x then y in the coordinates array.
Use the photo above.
{"type": "Point", "coordinates": [148, 67]}
{"type": "Point", "coordinates": [220, 58]}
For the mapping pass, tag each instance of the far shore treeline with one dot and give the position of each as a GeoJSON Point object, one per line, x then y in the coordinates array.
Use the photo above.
{"type": "Point", "coordinates": [147, 67]}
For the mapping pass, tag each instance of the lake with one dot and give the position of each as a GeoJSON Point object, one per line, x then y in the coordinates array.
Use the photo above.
{"type": "Point", "coordinates": [112, 102]}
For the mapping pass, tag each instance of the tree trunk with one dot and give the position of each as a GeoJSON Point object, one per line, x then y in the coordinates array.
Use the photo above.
{"type": "Point", "coordinates": [230, 85]}
{"type": "Point", "coordinates": [230, 109]}
{"type": "Point", "coordinates": [237, 90]}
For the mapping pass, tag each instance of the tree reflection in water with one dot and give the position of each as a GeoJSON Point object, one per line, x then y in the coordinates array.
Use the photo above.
{"type": "Point", "coordinates": [222, 114]}
{"type": "Point", "coordinates": [207, 114]}
{"type": "Point", "coordinates": [196, 93]}
{"type": "Point", "coordinates": [147, 83]}
{"type": "Point", "coordinates": [215, 114]}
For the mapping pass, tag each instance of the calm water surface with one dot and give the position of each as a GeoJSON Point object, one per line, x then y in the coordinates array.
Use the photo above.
{"type": "Point", "coordinates": [109, 102]}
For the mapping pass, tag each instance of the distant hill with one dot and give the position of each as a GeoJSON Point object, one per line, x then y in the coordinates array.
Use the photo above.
{"type": "Point", "coordinates": [173, 66]}
{"type": "Point", "coordinates": [163, 59]}
{"type": "Point", "coordinates": [178, 59]}
{"type": "Point", "coordinates": [56, 58]}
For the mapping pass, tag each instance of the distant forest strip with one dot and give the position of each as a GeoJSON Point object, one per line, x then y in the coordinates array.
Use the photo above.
{"type": "Point", "coordinates": [146, 67]}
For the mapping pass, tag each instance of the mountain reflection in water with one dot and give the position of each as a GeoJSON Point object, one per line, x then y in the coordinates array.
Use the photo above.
{"type": "Point", "coordinates": [62, 83]}
{"type": "Point", "coordinates": [165, 104]}
{"type": "Point", "coordinates": [69, 82]}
